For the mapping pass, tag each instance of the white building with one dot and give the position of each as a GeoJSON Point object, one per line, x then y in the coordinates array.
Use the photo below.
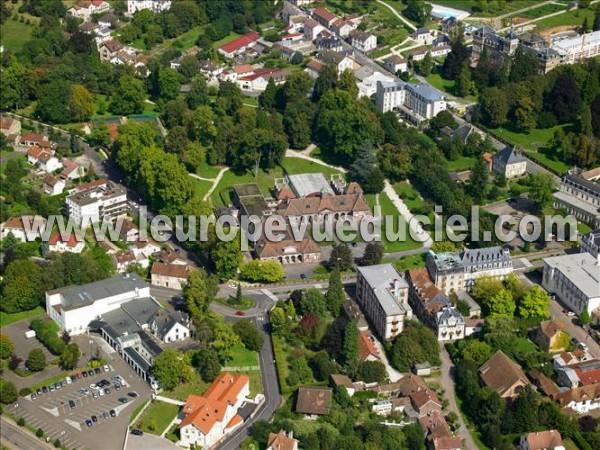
{"type": "Point", "coordinates": [382, 294]}
{"type": "Point", "coordinates": [367, 78]}
{"type": "Point", "coordinates": [211, 416]}
{"type": "Point", "coordinates": [579, 194]}
{"type": "Point", "coordinates": [172, 276]}
{"type": "Point", "coordinates": [590, 243]}
{"type": "Point", "coordinates": [450, 324]}
{"type": "Point", "coordinates": [396, 64]}
{"type": "Point", "coordinates": [424, 36]}
{"type": "Point", "coordinates": [312, 29]}
{"type": "Point", "coordinates": [575, 279]}
{"type": "Point", "coordinates": [85, 9]}
{"type": "Point", "coordinates": [74, 307]}
{"type": "Point", "coordinates": [156, 6]}
{"type": "Point", "coordinates": [43, 159]}
{"type": "Point", "coordinates": [415, 102]}
{"type": "Point", "coordinates": [53, 185]}
{"type": "Point", "coordinates": [510, 163]}
{"type": "Point", "coordinates": [59, 245]}
{"type": "Point", "coordinates": [24, 228]}
{"type": "Point", "coordinates": [96, 201]}
{"type": "Point", "coordinates": [365, 42]}
{"type": "Point", "coordinates": [582, 399]}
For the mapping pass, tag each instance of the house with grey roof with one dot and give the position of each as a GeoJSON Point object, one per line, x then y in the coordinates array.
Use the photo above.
{"type": "Point", "coordinates": [415, 102]}
{"type": "Point", "coordinates": [510, 163]}
{"type": "Point", "coordinates": [450, 324]}
{"type": "Point", "coordinates": [383, 295]}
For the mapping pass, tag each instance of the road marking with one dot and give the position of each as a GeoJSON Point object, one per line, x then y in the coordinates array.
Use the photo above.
{"type": "Point", "coordinates": [269, 294]}
{"type": "Point", "coordinates": [74, 424]}
{"type": "Point", "coordinates": [53, 411]}
{"type": "Point", "coordinates": [526, 262]}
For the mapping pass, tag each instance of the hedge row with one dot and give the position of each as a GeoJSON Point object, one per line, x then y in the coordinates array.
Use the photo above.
{"type": "Point", "coordinates": [47, 334]}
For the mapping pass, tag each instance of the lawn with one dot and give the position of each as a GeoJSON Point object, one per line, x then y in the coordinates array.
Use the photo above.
{"type": "Point", "coordinates": [181, 392]}
{"type": "Point", "coordinates": [444, 85]}
{"type": "Point", "coordinates": [201, 187]}
{"type": "Point", "coordinates": [409, 262]}
{"type": "Point", "coordinates": [205, 170]}
{"type": "Point", "coordinates": [570, 18]}
{"type": "Point", "coordinates": [230, 37]}
{"type": "Point", "coordinates": [7, 319]}
{"type": "Point", "coordinates": [531, 140]}
{"type": "Point", "coordinates": [14, 35]}
{"type": "Point", "coordinates": [242, 357]}
{"type": "Point", "coordinates": [472, 6]}
{"type": "Point", "coordinates": [256, 386]}
{"type": "Point", "coordinates": [295, 166]}
{"type": "Point", "coordinates": [157, 417]}
{"type": "Point", "coordinates": [460, 164]}
{"type": "Point", "coordinates": [401, 243]}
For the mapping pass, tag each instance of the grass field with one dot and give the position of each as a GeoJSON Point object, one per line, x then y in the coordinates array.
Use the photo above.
{"type": "Point", "coordinates": [472, 6]}
{"type": "Point", "coordinates": [403, 242]}
{"type": "Point", "coordinates": [570, 18]}
{"type": "Point", "coordinates": [181, 392]}
{"type": "Point", "coordinates": [207, 171]}
{"type": "Point", "coordinates": [7, 319]}
{"type": "Point", "coordinates": [157, 417]}
{"type": "Point", "coordinates": [447, 86]}
{"type": "Point", "coordinates": [409, 262]}
{"type": "Point", "coordinates": [14, 35]}
{"type": "Point", "coordinates": [295, 166]}
{"type": "Point", "coordinates": [241, 356]}
{"type": "Point", "coordinates": [201, 187]}
{"type": "Point", "coordinates": [542, 11]}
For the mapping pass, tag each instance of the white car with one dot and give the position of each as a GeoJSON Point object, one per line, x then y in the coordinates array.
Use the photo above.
{"type": "Point", "coordinates": [68, 380]}
{"type": "Point", "coordinates": [106, 369]}
{"type": "Point", "coordinates": [94, 387]}
{"type": "Point", "coordinates": [232, 285]}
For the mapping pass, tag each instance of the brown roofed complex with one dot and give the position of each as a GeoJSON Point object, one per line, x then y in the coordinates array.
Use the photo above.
{"type": "Point", "coordinates": [543, 440]}
{"type": "Point", "coordinates": [171, 270]}
{"type": "Point", "coordinates": [503, 375]}
{"type": "Point", "coordinates": [282, 441]}
{"type": "Point", "coordinates": [313, 400]}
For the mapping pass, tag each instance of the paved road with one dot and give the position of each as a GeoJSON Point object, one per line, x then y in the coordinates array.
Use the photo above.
{"type": "Point", "coordinates": [447, 382]}
{"type": "Point", "coordinates": [15, 437]}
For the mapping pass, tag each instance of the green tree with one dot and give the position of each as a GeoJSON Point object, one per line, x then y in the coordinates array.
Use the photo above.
{"type": "Point", "coordinates": [36, 360]}
{"type": "Point", "coordinates": [525, 114]}
{"type": "Point", "coordinates": [463, 80]}
{"type": "Point", "coordinates": [347, 82]}
{"type": "Point", "coordinates": [168, 84]}
{"type": "Point", "coordinates": [484, 288]}
{"type": "Point", "coordinates": [225, 338]}
{"type": "Point", "coordinates": [199, 291]}
{"type": "Point", "coordinates": [350, 350]}
{"type": "Point", "coordinates": [297, 121]}
{"type": "Point", "coordinates": [502, 302]}
{"type": "Point", "coordinates": [206, 361]}
{"type": "Point", "coordinates": [365, 170]}
{"type": "Point", "coordinates": [493, 107]}
{"type": "Point", "coordinates": [584, 317]}
{"type": "Point", "coordinates": [8, 392]}
{"type": "Point", "coordinates": [81, 103]}
{"type": "Point", "coordinates": [129, 97]}
{"type": "Point", "coordinates": [418, 11]}
{"type": "Point", "coordinates": [249, 335]}
{"type": "Point", "coordinates": [226, 257]}
{"type": "Point", "coordinates": [476, 351]}
{"type": "Point", "coordinates": [585, 26]}
{"type": "Point", "coordinates": [523, 66]}
{"type": "Point", "coordinates": [70, 357]}
{"type": "Point", "coordinates": [51, 102]}
{"type": "Point", "coordinates": [171, 368]}
{"type": "Point", "coordinates": [297, 87]}
{"type": "Point", "coordinates": [373, 254]}
{"type": "Point", "coordinates": [326, 80]}
{"type": "Point", "coordinates": [426, 65]}
{"type": "Point", "coordinates": [341, 258]}
{"type": "Point", "coordinates": [535, 303]}
{"type": "Point", "coordinates": [585, 121]}
{"type": "Point", "coordinates": [257, 270]}
{"type": "Point", "coordinates": [313, 302]}
{"type": "Point", "coordinates": [335, 295]}
{"type": "Point", "coordinates": [371, 372]}
{"type": "Point", "coordinates": [23, 289]}
{"type": "Point", "coordinates": [541, 192]}
{"type": "Point", "coordinates": [565, 99]}
{"type": "Point", "coordinates": [6, 346]}
{"type": "Point", "coordinates": [198, 94]}
{"type": "Point", "coordinates": [15, 90]}
{"type": "Point", "coordinates": [596, 25]}
{"type": "Point", "coordinates": [479, 181]}
{"type": "Point", "coordinates": [201, 125]}
{"type": "Point", "coordinates": [268, 98]}
{"type": "Point", "coordinates": [394, 161]}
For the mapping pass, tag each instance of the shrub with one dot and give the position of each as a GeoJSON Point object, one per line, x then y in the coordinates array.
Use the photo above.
{"type": "Point", "coordinates": [46, 333]}
{"type": "Point", "coordinates": [39, 433]}
{"type": "Point", "coordinates": [57, 443]}
{"type": "Point", "coordinates": [21, 422]}
{"type": "Point", "coordinates": [24, 392]}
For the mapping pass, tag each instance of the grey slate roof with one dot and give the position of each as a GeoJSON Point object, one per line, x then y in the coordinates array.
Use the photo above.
{"type": "Point", "coordinates": [574, 177]}
{"type": "Point", "coordinates": [474, 257]}
{"type": "Point", "coordinates": [381, 279]}
{"type": "Point", "coordinates": [508, 156]}
{"type": "Point", "coordinates": [448, 315]}
{"type": "Point", "coordinates": [73, 297]}
{"type": "Point", "coordinates": [134, 355]}
{"type": "Point", "coordinates": [309, 183]}
{"type": "Point", "coordinates": [426, 91]}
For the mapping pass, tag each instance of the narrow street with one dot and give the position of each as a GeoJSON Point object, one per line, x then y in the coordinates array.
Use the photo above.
{"type": "Point", "coordinates": [447, 382]}
{"type": "Point", "coordinates": [16, 437]}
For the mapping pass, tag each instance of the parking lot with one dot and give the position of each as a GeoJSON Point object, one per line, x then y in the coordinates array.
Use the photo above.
{"type": "Point", "coordinates": [51, 410]}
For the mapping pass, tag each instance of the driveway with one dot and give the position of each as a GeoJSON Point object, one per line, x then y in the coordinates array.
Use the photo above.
{"type": "Point", "coordinates": [447, 382]}
{"type": "Point", "coordinates": [149, 442]}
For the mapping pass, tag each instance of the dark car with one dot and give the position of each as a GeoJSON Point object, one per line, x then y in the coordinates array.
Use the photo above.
{"type": "Point", "coordinates": [44, 389]}
{"type": "Point", "coordinates": [73, 378]}
{"type": "Point", "coordinates": [105, 415]}
{"type": "Point", "coordinates": [72, 404]}
{"type": "Point", "coordinates": [94, 419]}
{"type": "Point", "coordinates": [84, 374]}
{"type": "Point", "coordinates": [123, 400]}
{"type": "Point", "coordinates": [97, 370]}
{"type": "Point", "coordinates": [89, 423]}
{"type": "Point", "coordinates": [57, 385]}
{"type": "Point", "coordinates": [51, 388]}
{"type": "Point", "coordinates": [106, 391]}
{"type": "Point", "coordinates": [117, 386]}
{"type": "Point", "coordinates": [113, 413]}
{"type": "Point", "coordinates": [132, 394]}
{"type": "Point", "coordinates": [303, 276]}
{"type": "Point", "coordinates": [137, 432]}
{"type": "Point", "coordinates": [90, 373]}
{"type": "Point", "coordinates": [38, 391]}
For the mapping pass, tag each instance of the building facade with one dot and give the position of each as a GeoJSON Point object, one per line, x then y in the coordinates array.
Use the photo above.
{"type": "Point", "coordinates": [382, 294]}
{"type": "Point", "coordinates": [580, 196]}
{"type": "Point", "coordinates": [156, 6]}
{"type": "Point", "coordinates": [590, 243]}
{"type": "Point", "coordinates": [96, 201]}
{"type": "Point", "coordinates": [414, 102]}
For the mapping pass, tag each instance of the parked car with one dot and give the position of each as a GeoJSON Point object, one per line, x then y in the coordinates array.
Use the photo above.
{"type": "Point", "coordinates": [123, 400]}
{"type": "Point", "coordinates": [90, 373]}
{"type": "Point", "coordinates": [57, 385]}
{"type": "Point", "coordinates": [44, 389]}
{"type": "Point", "coordinates": [84, 391]}
{"type": "Point", "coordinates": [117, 386]}
{"type": "Point", "coordinates": [94, 387]}
{"type": "Point", "coordinates": [240, 313]}
{"type": "Point", "coordinates": [137, 432]}
{"type": "Point", "coordinates": [105, 414]}
{"type": "Point", "coordinates": [132, 394]}
{"type": "Point", "coordinates": [79, 375]}
{"type": "Point", "coordinates": [95, 419]}
{"type": "Point", "coordinates": [95, 395]}
{"type": "Point", "coordinates": [106, 391]}
{"type": "Point", "coordinates": [303, 276]}
{"type": "Point", "coordinates": [73, 377]}
{"type": "Point", "coordinates": [33, 396]}
{"type": "Point", "coordinates": [89, 423]}
{"type": "Point", "coordinates": [106, 369]}
{"type": "Point", "coordinates": [113, 413]}
{"type": "Point", "coordinates": [583, 346]}
{"type": "Point", "coordinates": [38, 391]}
{"type": "Point", "coordinates": [97, 370]}
{"type": "Point", "coordinates": [51, 388]}
{"type": "Point", "coordinates": [72, 404]}
{"type": "Point", "coordinates": [68, 380]}
{"type": "Point", "coordinates": [85, 374]}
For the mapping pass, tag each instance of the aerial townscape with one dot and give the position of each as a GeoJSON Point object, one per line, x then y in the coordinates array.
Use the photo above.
{"type": "Point", "coordinates": [144, 144]}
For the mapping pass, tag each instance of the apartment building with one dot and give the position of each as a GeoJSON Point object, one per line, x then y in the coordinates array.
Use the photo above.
{"type": "Point", "coordinates": [590, 243]}
{"type": "Point", "coordinates": [96, 201]}
{"type": "Point", "coordinates": [579, 194]}
{"type": "Point", "coordinates": [85, 9]}
{"type": "Point", "coordinates": [458, 271]}
{"type": "Point", "coordinates": [382, 294]}
{"type": "Point", "coordinates": [498, 47]}
{"type": "Point", "coordinates": [414, 102]}
{"type": "Point", "coordinates": [575, 279]}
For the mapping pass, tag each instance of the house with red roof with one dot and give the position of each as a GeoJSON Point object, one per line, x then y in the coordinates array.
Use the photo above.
{"type": "Point", "coordinates": [260, 78]}
{"type": "Point", "coordinates": [85, 9]}
{"type": "Point", "coordinates": [59, 244]}
{"type": "Point", "coordinates": [209, 417]}
{"type": "Point", "coordinates": [35, 140]}
{"type": "Point", "coordinates": [53, 185]}
{"type": "Point", "coordinates": [24, 228]}
{"type": "Point", "coordinates": [238, 45]}
{"type": "Point", "coordinates": [324, 17]}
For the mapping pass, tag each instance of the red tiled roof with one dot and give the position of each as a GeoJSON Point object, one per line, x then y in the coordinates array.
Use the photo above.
{"type": "Point", "coordinates": [366, 347]}
{"type": "Point", "coordinates": [90, 185]}
{"type": "Point", "coordinates": [324, 14]}
{"type": "Point", "coordinates": [56, 238]}
{"type": "Point", "coordinates": [206, 410]}
{"type": "Point", "coordinates": [171, 270]}
{"type": "Point", "coordinates": [542, 440]}
{"type": "Point", "coordinates": [240, 42]}
{"type": "Point", "coordinates": [50, 180]}
{"type": "Point", "coordinates": [34, 152]}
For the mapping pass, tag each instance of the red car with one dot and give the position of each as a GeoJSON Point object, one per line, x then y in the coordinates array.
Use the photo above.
{"type": "Point", "coordinates": [239, 313]}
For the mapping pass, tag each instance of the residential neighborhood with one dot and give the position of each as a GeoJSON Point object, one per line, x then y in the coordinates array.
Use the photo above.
{"type": "Point", "coordinates": [300, 224]}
